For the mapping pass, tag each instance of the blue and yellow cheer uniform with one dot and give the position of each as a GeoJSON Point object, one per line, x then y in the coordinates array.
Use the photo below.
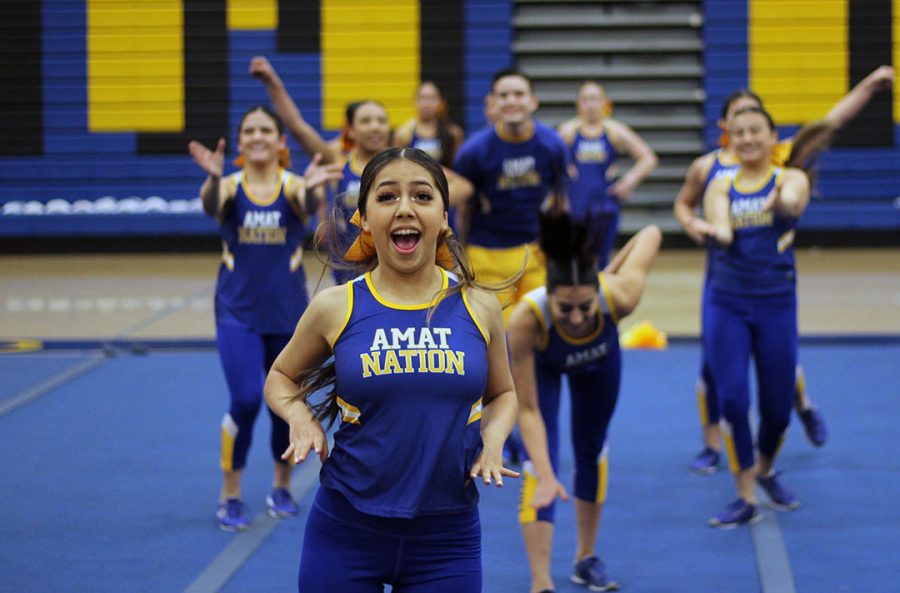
{"type": "Point", "coordinates": [593, 367]}
{"type": "Point", "coordinates": [588, 200]}
{"type": "Point", "coordinates": [260, 295]}
{"type": "Point", "coordinates": [707, 402]}
{"type": "Point", "coordinates": [396, 503]}
{"type": "Point", "coordinates": [752, 310]}
{"type": "Point", "coordinates": [344, 196]}
{"type": "Point", "coordinates": [512, 177]}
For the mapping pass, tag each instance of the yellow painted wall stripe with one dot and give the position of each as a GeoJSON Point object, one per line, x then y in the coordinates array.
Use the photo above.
{"type": "Point", "coordinates": [370, 50]}
{"type": "Point", "coordinates": [252, 14]}
{"type": "Point", "coordinates": [798, 56]}
{"type": "Point", "coordinates": [135, 66]}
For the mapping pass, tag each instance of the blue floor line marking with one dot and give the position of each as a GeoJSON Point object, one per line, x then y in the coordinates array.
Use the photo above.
{"type": "Point", "coordinates": [772, 562]}
{"type": "Point", "coordinates": [32, 394]}
{"type": "Point", "coordinates": [230, 560]}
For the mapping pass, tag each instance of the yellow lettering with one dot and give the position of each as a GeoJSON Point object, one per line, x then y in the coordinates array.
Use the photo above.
{"type": "Point", "coordinates": [423, 361]}
{"type": "Point", "coordinates": [371, 363]}
{"type": "Point", "coordinates": [391, 363]}
{"type": "Point", "coordinates": [262, 236]}
{"type": "Point", "coordinates": [436, 361]}
{"type": "Point", "coordinates": [455, 362]}
{"type": "Point", "coordinates": [408, 359]}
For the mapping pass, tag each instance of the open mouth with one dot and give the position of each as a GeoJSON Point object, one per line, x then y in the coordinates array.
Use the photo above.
{"type": "Point", "coordinates": [406, 240]}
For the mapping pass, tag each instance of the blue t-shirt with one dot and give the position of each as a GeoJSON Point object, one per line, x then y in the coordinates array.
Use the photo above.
{"type": "Point", "coordinates": [512, 178]}
{"type": "Point", "coordinates": [410, 395]}
{"type": "Point", "coordinates": [261, 283]}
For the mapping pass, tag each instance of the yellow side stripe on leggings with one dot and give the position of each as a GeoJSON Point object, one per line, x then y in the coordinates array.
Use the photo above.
{"type": "Point", "coordinates": [527, 512]}
{"type": "Point", "coordinates": [701, 402]}
{"type": "Point", "coordinates": [733, 464]}
{"type": "Point", "coordinates": [602, 477]}
{"type": "Point", "coordinates": [229, 434]}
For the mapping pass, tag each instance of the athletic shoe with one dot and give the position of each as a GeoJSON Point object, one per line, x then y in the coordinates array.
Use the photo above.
{"type": "Point", "coordinates": [232, 515]}
{"type": "Point", "coordinates": [814, 426]}
{"type": "Point", "coordinates": [706, 461]}
{"type": "Point", "coordinates": [737, 513]}
{"type": "Point", "coordinates": [591, 572]}
{"type": "Point", "coordinates": [281, 504]}
{"type": "Point", "coordinates": [781, 498]}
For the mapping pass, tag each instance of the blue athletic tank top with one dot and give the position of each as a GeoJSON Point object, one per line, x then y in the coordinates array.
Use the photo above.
{"type": "Point", "coordinates": [261, 283]}
{"type": "Point", "coordinates": [587, 192]}
{"type": "Point", "coordinates": [720, 168]}
{"type": "Point", "coordinates": [564, 354]}
{"type": "Point", "coordinates": [430, 145]}
{"type": "Point", "coordinates": [514, 178]}
{"type": "Point", "coordinates": [410, 397]}
{"type": "Point", "coordinates": [345, 194]}
{"type": "Point", "coordinates": [760, 260]}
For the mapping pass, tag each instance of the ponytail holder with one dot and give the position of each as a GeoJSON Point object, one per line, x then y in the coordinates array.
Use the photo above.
{"type": "Point", "coordinates": [363, 247]}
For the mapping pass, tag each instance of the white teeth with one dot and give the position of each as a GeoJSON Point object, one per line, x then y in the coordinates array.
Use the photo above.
{"type": "Point", "coordinates": [406, 232]}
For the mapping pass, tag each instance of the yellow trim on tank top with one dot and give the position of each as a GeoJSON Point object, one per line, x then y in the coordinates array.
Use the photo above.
{"type": "Point", "coordinates": [610, 304]}
{"type": "Point", "coordinates": [484, 334]}
{"type": "Point", "coordinates": [272, 198]}
{"type": "Point", "coordinates": [773, 172]}
{"type": "Point", "coordinates": [603, 132]}
{"type": "Point", "coordinates": [730, 163]}
{"type": "Point", "coordinates": [580, 341]}
{"type": "Point", "coordinates": [545, 335]}
{"type": "Point", "coordinates": [347, 316]}
{"type": "Point", "coordinates": [398, 306]}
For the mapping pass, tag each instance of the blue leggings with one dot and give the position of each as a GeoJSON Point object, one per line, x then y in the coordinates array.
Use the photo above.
{"type": "Point", "coordinates": [593, 397]}
{"type": "Point", "coordinates": [766, 329]}
{"type": "Point", "coordinates": [706, 391]}
{"type": "Point", "coordinates": [246, 359]}
{"type": "Point", "coordinates": [347, 551]}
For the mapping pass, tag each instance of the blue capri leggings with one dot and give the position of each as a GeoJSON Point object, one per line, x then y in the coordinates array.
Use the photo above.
{"type": "Point", "coordinates": [766, 329]}
{"type": "Point", "coordinates": [246, 359]}
{"type": "Point", "coordinates": [593, 394]}
{"type": "Point", "coordinates": [346, 551]}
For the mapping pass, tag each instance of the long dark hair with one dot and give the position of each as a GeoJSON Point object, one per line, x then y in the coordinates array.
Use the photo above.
{"type": "Point", "coordinates": [569, 246]}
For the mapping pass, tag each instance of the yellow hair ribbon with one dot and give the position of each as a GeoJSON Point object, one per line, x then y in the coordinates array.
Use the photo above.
{"type": "Point", "coordinates": [363, 247]}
